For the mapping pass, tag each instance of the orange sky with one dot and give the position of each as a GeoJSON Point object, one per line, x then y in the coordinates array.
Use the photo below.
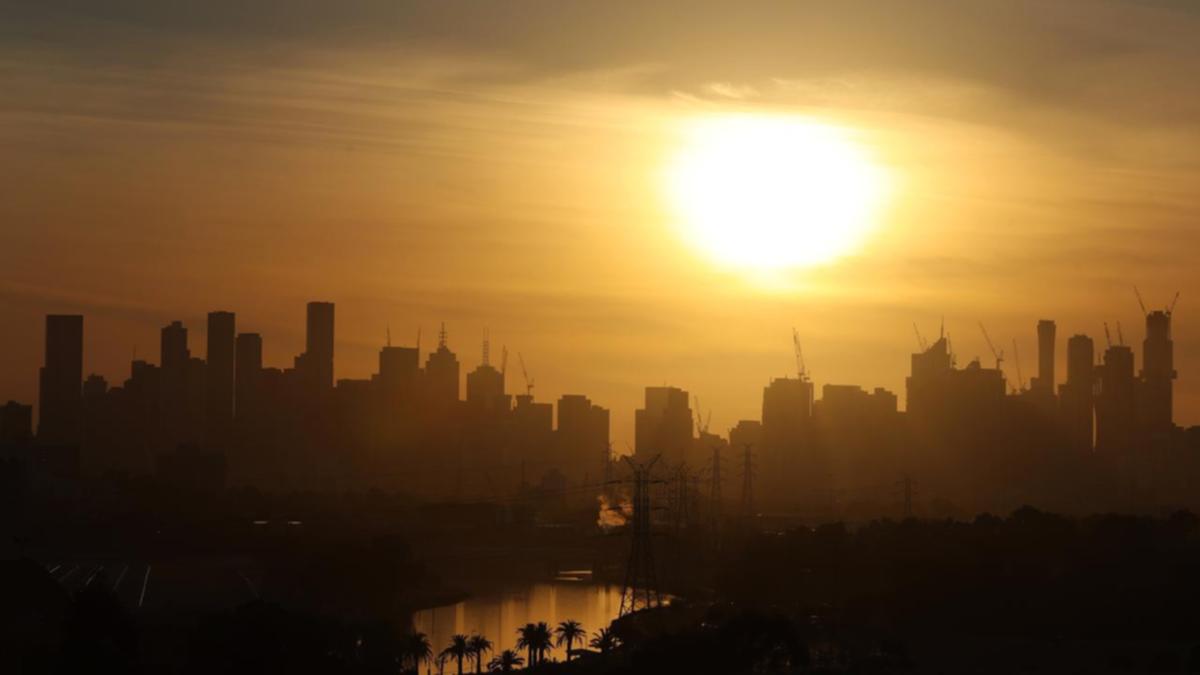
{"type": "Point", "coordinates": [500, 165]}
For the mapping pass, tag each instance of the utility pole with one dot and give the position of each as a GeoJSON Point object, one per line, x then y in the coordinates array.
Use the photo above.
{"type": "Point", "coordinates": [641, 582]}
{"type": "Point", "coordinates": [748, 482]}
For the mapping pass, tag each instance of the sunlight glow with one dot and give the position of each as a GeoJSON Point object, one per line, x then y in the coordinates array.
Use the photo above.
{"type": "Point", "coordinates": [769, 193]}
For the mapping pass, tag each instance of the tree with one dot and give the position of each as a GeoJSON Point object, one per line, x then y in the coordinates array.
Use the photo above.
{"type": "Point", "coordinates": [418, 649]}
{"type": "Point", "coordinates": [569, 631]}
{"type": "Point", "coordinates": [505, 662]}
{"type": "Point", "coordinates": [604, 641]}
{"type": "Point", "coordinates": [536, 640]}
{"type": "Point", "coordinates": [459, 649]}
{"type": "Point", "coordinates": [479, 645]}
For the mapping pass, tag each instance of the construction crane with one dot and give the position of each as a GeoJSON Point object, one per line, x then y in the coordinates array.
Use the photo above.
{"type": "Point", "coordinates": [1120, 335]}
{"type": "Point", "coordinates": [701, 426]}
{"type": "Point", "coordinates": [1141, 304]}
{"type": "Point", "coordinates": [998, 354]}
{"type": "Point", "coordinates": [503, 360]}
{"type": "Point", "coordinates": [922, 344]}
{"type": "Point", "coordinates": [1174, 301]}
{"type": "Point", "coordinates": [1107, 336]}
{"type": "Point", "coordinates": [525, 374]}
{"type": "Point", "coordinates": [801, 370]}
{"type": "Point", "coordinates": [1017, 357]}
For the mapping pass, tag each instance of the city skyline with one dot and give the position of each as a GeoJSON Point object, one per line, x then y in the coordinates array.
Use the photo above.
{"type": "Point", "coordinates": [745, 404]}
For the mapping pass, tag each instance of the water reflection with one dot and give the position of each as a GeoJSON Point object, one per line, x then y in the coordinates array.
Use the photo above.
{"type": "Point", "coordinates": [498, 616]}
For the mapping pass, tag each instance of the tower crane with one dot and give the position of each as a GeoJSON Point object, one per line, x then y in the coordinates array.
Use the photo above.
{"type": "Point", "coordinates": [998, 354]}
{"type": "Point", "coordinates": [525, 375]}
{"type": "Point", "coordinates": [922, 344]}
{"type": "Point", "coordinates": [1174, 301]}
{"type": "Point", "coordinates": [1107, 336]}
{"type": "Point", "coordinates": [1141, 304]}
{"type": "Point", "coordinates": [801, 370]}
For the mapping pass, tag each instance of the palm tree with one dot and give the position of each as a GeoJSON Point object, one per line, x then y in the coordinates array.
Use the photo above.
{"type": "Point", "coordinates": [479, 645]}
{"type": "Point", "coordinates": [526, 639]}
{"type": "Point", "coordinates": [569, 631]}
{"type": "Point", "coordinates": [536, 640]}
{"type": "Point", "coordinates": [604, 640]}
{"type": "Point", "coordinates": [458, 650]}
{"type": "Point", "coordinates": [417, 648]}
{"type": "Point", "coordinates": [505, 662]}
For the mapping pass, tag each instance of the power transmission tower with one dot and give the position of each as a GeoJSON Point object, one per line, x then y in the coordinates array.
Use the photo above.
{"type": "Point", "coordinates": [748, 482]}
{"type": "Point", "coordinates": [715, 495]}
{"type": "Point", "coordinates": [641, 582]}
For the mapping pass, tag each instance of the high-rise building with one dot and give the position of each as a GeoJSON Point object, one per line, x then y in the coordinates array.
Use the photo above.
{"type": "Point", "coordinates": [16, 424]}
{"type": "Point", "coordinates": [1155, 396]}
{"type": "Point", "coordinates": [315, 367]}
{"type": "Point", "coordinates": [399, 373]}
{"type": "Point", "coordinates": [1044, 382]}
{"type": "Point", "coordinates": [1116, 402]}
{"type": "Point", "coordinates": [219, 376]}
{"type": "Point", "coordinates": [664, 426]}
{"type": "Point", "coordinates": [441, 374]}
{"type": "Point", "coordinates": [247, 375]}
{"type": "Point", "coordinates": [582, 436]}
{"type": "Point", "coordinates": [173, 349]}
{"type": "Point", "coordinates": [1076, 394]}
{"type": "Point", "coordinates": [60, 380]}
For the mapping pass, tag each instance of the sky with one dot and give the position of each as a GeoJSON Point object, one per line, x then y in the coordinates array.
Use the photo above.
{"type": "Point", "coordinates": [500, 166]}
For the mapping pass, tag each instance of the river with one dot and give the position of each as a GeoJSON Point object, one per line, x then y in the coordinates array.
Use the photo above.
{"type": "Point", "coordinates": [497, 616]}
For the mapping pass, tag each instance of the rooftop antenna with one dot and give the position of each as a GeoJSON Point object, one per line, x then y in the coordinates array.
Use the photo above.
{"type": "Point", "coordinates": [503, 360]}
{"type": "Point", "coordinates": [942, 329]}
{"type": "Point", "coordinates": [486, 348]}
{"type": "Point", "coordinates": [389, 335]}
{"type": "Point", "coordinates": [442, 336]}
{"type": "Point", "coordinates": [418, 339]}
{"type": "Point", "coordinates": [1141, 304]}
{"type": "Point", "coordinates": [1020, 376]}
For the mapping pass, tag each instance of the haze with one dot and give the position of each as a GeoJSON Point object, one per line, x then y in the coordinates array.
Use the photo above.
{"type": "Point", "coordinates": [500, 165]}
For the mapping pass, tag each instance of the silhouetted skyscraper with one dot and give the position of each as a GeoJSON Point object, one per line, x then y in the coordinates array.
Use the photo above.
{"type": "Point", "coordinates": [1045, 377]}
{"type": "Point", "coordinates": [60, 380]}
{"type": "Point", "coordinates": [485, 386]}
{"type": "Point", "coordinates": [173, 349]}
{"type": "Point", "coordinates": [219, 387]}
{"type": "Point", "coordinates": [441, 374]}
{"type": "Point", "coordinates": [399, 372]}
{"type": "Point", "coordinates": [317, 368]}
{"type": "Point", "coordinates": [582, 436]}
{"type": "Point", "coordinates": [663, 426]}
{"type": "Point", "coordinates": [1156, 397]}
{"type": "Point", "coordinates": [1115, 405]}
{"type": "Point", "coordinates": [247, 375]}
{"type": "Point", "coordinates": [16, 424]}
{"type": "Point", "coordinates": [1076, 394]}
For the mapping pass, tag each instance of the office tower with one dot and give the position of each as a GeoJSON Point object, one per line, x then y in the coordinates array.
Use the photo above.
{"type": "Point", "coordinates": [247, 375]}
{"type": "Point", "coordinates": [173, 349]}
{"type": "Point", "coordinates": [1075, 395]}
{"type": "Point", "coordinates": [746, 432]}
{"type": "Point", "coordinates": [94, 387]}
{"type": "Point", "coordinates": [1155, 395]}
{"type": "Point", "coordinates": [582, 436]}
{"type": "Point", "coordinates": [923, 386]}
{"type": "Point", "coordinates": [1045, 377]}
{"type": "Point", "coordinates": [485, 386]}
{"type": "Point", "coordinates": [219, 376]}
{"type": "Point", "coordinates": [441, 374]}
{"type": "Point", "coordinates": [664, 426]}
{"type": "Point", "coordinates": [16, 424]}
{"type": "Point", "coordinates": [1115, 404]}
{"type": "Point", "coordinates": [318, 348]}
{"type": "Point", "coordinates": [60, 380]}
{"type": "Point", "coordinates": [399, 375]}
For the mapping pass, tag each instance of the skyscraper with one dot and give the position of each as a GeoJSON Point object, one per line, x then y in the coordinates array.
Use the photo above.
{"type": "Point", "coordinates": [61, 380]}
{"type": "Point", "coordinates": [664, 426]}
{"type": "Point", "coordinates": [247, 375]}
{"type": "Point", "coordinates": [1045, 377]}
{"type": "Point", "coordinates": [1155, 396]}
{"type": "Point", "coordinates": [218, 384]}
{"type": "Point", "coordinates": [1075, 395]}
{"type": "Point", "coordinates": [1115, 411]}
{"type": "Point", "coordinates": [441, 374]}
{"type": "Point", "coordinates": [318, 347]}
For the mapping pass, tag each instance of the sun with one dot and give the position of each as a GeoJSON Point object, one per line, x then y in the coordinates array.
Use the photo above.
{"type": "Point", "coordinates": [770, 193]}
